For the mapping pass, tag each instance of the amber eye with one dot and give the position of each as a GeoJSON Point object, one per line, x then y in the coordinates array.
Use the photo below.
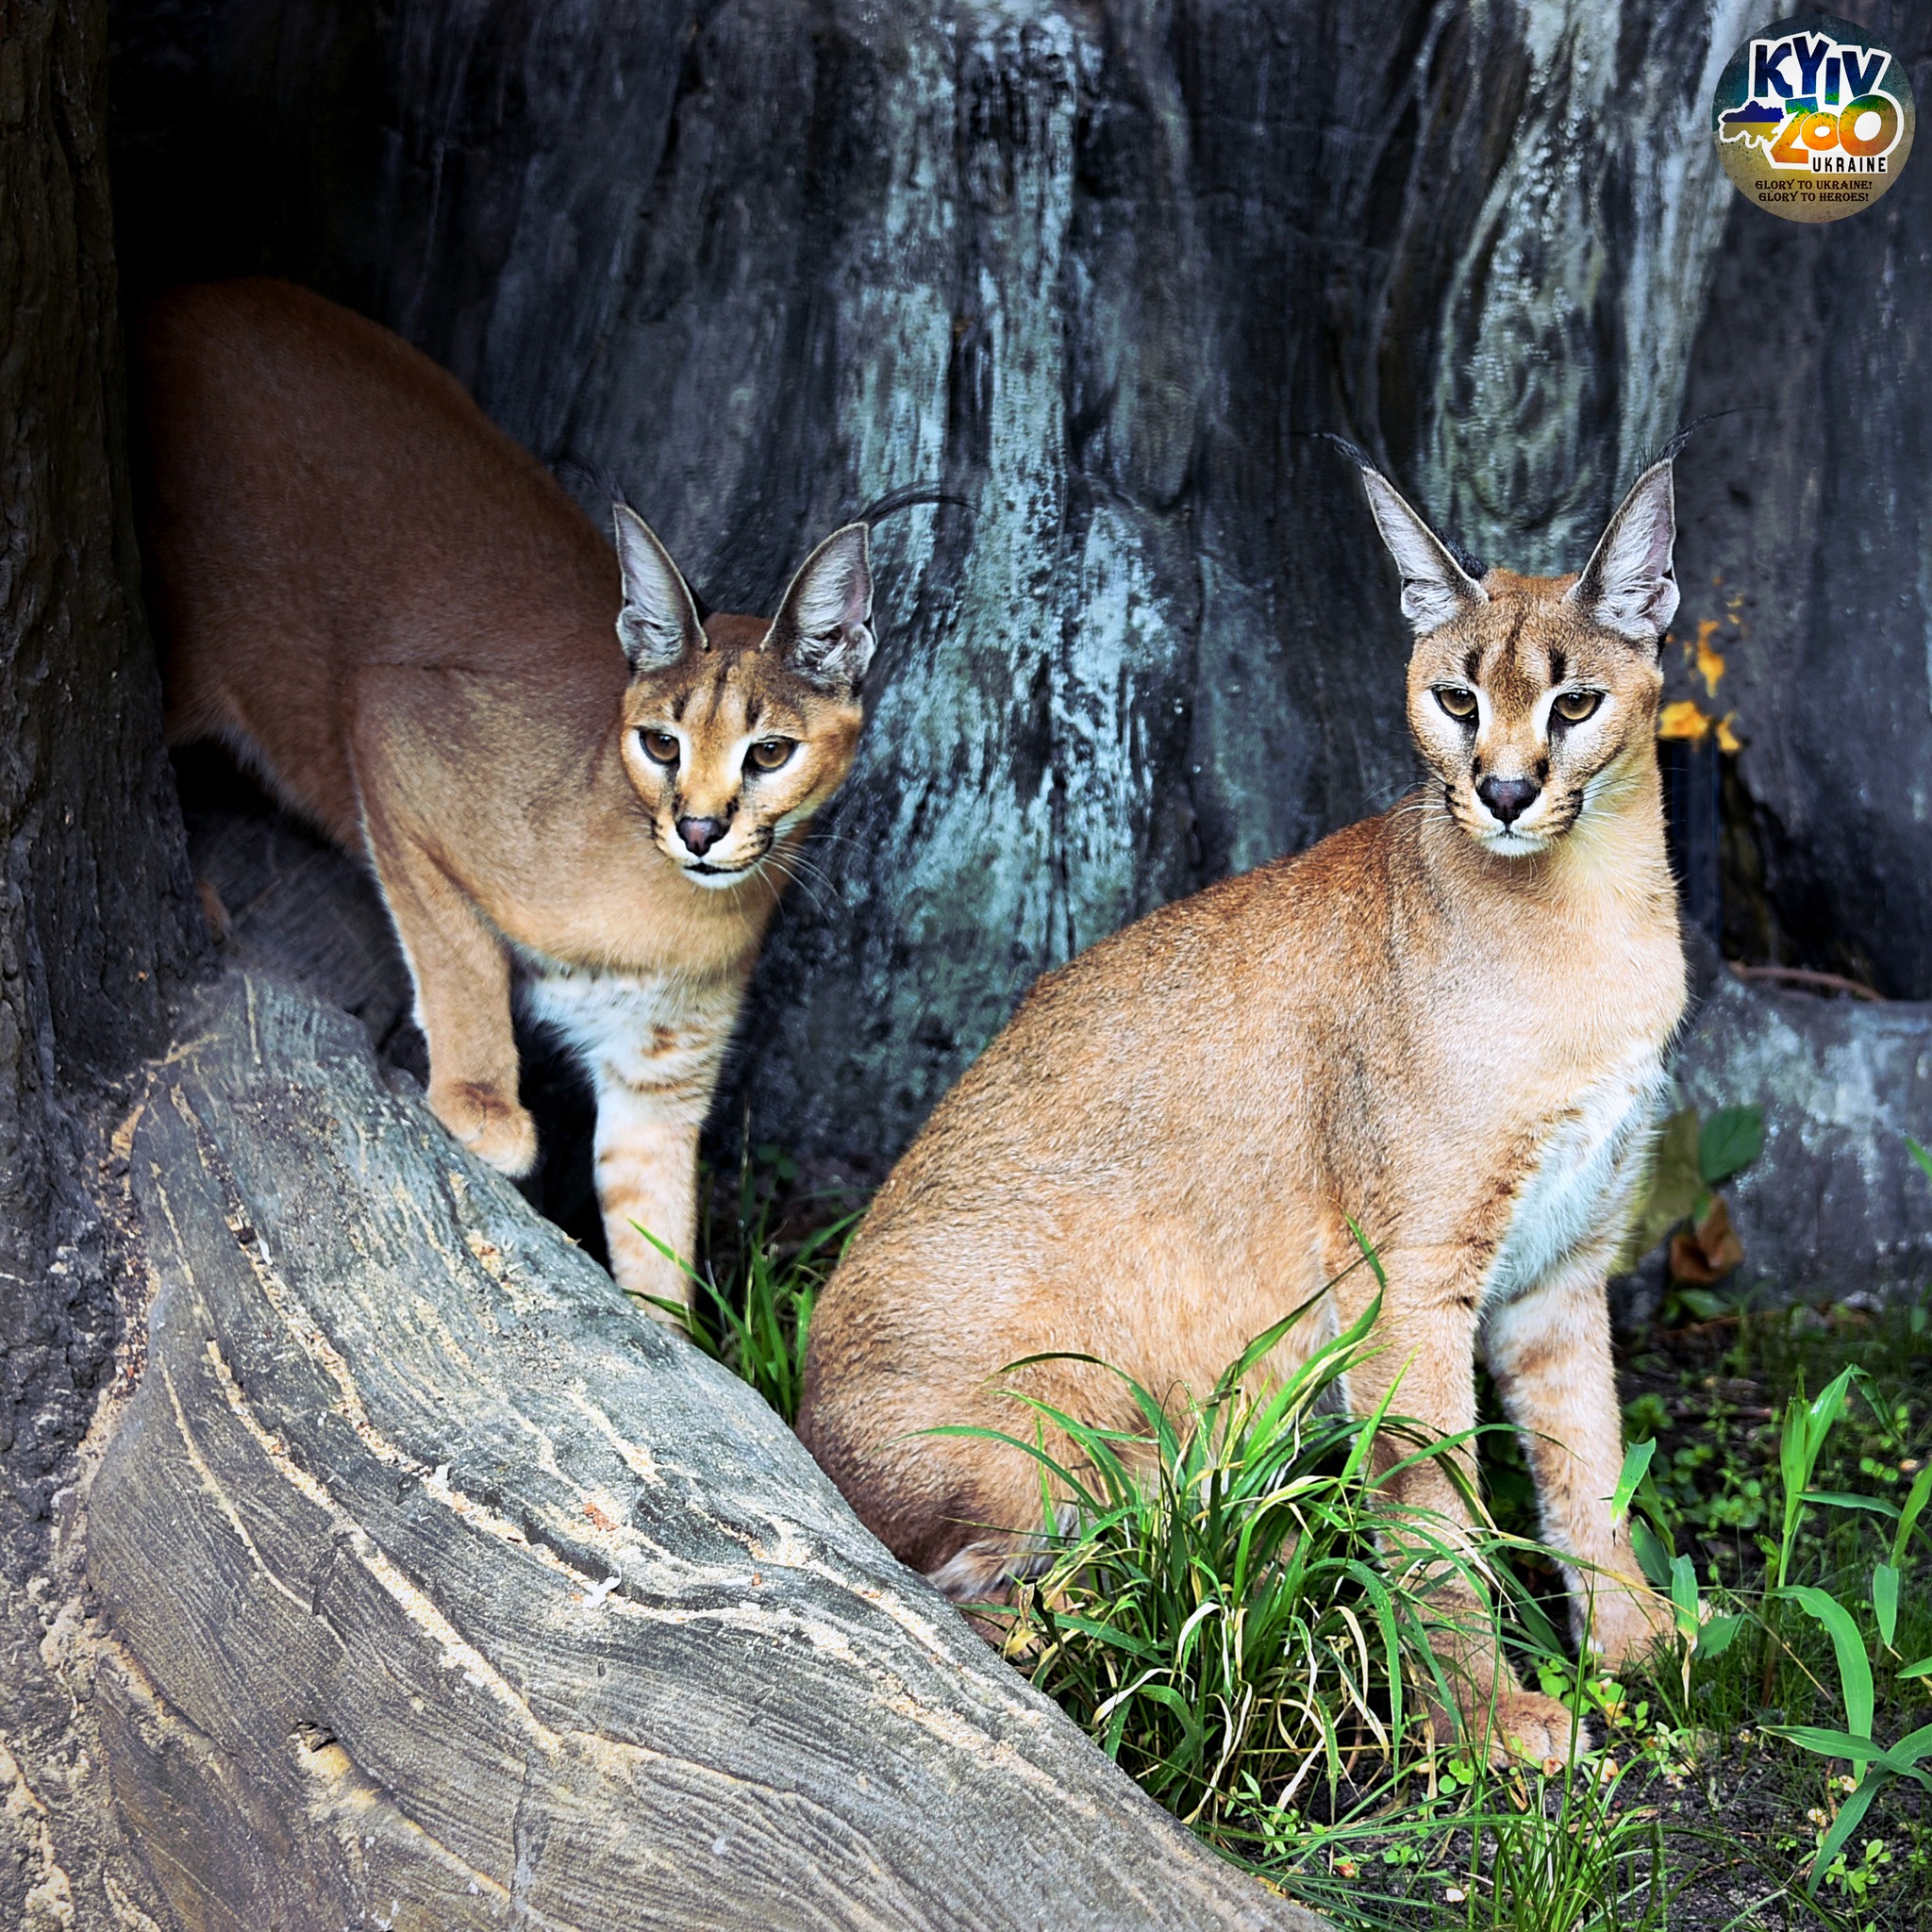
{"type": "Point", "coordinates": [768, 754]}
{"type": "Point", "coordinates": [1458, 703]}
{"type": "Point", "coordinates": [660, 748]}
{"type": "Point", "coordinates": [1573, 706]}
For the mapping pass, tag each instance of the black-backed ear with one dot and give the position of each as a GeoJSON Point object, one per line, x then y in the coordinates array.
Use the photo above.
{"type": "Point", "coordinates": [824, 627]}
{"type": "Point", "coordinates": [1435, 587]}
{"type": "Point", "coordinates": [659, 622]}
{"type": "Point", "coordinates": [1629, 585]}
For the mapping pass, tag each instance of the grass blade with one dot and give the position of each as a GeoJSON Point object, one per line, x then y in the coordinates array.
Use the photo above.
{"type": "Point", "coordinates": [1885, 1601]}
{"type": "Point", "coordinates": [1637, 1459]}
{"type": "Point", "coordinates": [1850, 1814]}
{"type": "Point", "coordinates": [1853, 1667]}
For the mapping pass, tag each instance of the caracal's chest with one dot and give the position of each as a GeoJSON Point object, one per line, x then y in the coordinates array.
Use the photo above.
{"type": "Point", "coordinates": [662, 1031]}
{"type": "Point", "coordinates": [1585, 1173]}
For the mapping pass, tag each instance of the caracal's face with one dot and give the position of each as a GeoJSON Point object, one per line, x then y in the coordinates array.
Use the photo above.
{"type": "Point", "coordinates": [736, 730]}
{"type": "Point", "coordinates": [1528, 712]}
{"type": "Point", "coordinates": [728, 750]}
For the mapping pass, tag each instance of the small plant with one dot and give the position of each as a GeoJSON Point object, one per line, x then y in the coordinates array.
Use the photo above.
{"type": "Point", "coordinates": [1874, 1764]}
{"type": "Point", "coordinates": [1693, 1158]}
{"type": "Point", "coordinates": [1807, 1424]}
{"type": "Point", "coordinates": [757, 1320]}
{"type": "Point", "coordinates": [1210, 1603]}
{"type": "Point", "coordinates": [1569, 1859]}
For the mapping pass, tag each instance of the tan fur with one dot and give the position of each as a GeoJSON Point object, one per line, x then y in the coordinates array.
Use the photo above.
{"type": "Point", "coordinates": [1159, 1156]}
{"type": "Point", "coordinates": [398, 617]}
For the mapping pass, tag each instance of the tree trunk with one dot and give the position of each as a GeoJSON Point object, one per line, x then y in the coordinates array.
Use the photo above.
{"type": "Point", "coordinates": [378, 1565]}
{"type": "Point", "coordinates": [1808, 502]}
{"type": "Point", "coordinates": [1103, 271]}
{"type": "Point", "coordinates": [443, 1589]}
{"type": "Point", "coordinates": [95, 927]}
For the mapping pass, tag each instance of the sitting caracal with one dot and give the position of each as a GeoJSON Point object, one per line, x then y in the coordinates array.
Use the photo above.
{"type": "Point", "coordinates": [400, 620]}
{"type": "Point", "coordinates": [1445, 1023]}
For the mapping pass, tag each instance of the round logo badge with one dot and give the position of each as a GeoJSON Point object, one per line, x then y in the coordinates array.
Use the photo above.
{"type": "Point", "coordinates": [1813, 119]}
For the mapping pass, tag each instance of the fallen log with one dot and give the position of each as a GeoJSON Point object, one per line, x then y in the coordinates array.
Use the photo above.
{"type": "Point", "coordinates": [437, 1589]}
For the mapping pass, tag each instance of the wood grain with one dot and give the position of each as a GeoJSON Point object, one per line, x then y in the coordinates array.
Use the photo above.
{"type": "Point", "coordinates": [443, 1592]}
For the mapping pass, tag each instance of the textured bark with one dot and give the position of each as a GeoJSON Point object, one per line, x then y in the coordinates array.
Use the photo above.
{"type": "Point", "coordinates": [1807, 551]}
{"type": "Point", "coordinates": [1101, 271]}
{"type": "Point", "coordinates": [92, 920]}
{"type": "Point", "coordinates": [442, 1589]}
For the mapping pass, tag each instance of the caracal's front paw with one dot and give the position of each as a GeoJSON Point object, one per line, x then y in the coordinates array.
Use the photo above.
{"type": "Point", "coordinates": [1627, 1620]}
{"type": "Point", "coordinates": [492, 1126]}
{"type": "Point", "coordinates": [1526, 1727]}
{"type": "Point", "coordinates": [650, 1279]}
{"type": "Point", "coordinates": [1513, 1726]}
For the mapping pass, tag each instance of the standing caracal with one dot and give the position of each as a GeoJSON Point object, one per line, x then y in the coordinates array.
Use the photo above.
{"type": "Point", "coordinates": [559, 775]}
{"type": "Point", "coordinates": [1447, 1024]}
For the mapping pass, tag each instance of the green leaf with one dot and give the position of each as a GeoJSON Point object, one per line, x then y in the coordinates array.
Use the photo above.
{"type": "Point", "coordinates": [1827, 1743]}
{"type": "Point", "coordinates": [1675, 1186]}
{"type": "Point", "coordinates": [1853, 1667]}
{"type": "Point", "coordinates": [1920, 1155]}
{"type": "Point", "coordinates": [1885, 1601]}
{"type": "Point", "coordinates": [1652, 1558]}
{"type": "Point", "coordinates": [1909, 1749]}
{"type": "Point", "coordinates": [1684, 1595]}
{"type": "Point", "coordinates": [1637, 1460]}
{"type": "Point", "coordinates": [1731, 1139]}
{"type": "Point", "coordinates": [1825, 1407]}
{"type": "Point", "coordinates": [1840, 1499]}
{"type": "Point", "coordinates": [1716, 1637]}
{"type": "Point", "coordinates": [1850, 1814]}
{"type": "Point", "coordinates": [1908, 1516]}
{"type": "Point", "coordinates": [1705, 1303]}
{"type": "Point", "coordinates": [1369, 1255]}
{"type": "Point", "coordinates": [1922, 1669]}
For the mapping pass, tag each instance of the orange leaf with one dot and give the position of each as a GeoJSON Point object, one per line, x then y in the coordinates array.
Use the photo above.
{"type": "Point", "coordinates": [1708, 1249]}
{"type": "Point", "coordinates": [1685, 719]}
{"type": "Point", "coordinates": [1711, 663]}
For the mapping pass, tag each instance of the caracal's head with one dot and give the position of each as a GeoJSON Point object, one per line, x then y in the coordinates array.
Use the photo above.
{"type": "Point", "coordinates": [737, 729]}
{"type": "Point", "coordinates": [1533, 700]}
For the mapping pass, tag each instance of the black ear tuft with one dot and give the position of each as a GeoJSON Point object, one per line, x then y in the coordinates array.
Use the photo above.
{"type": "Point", "coordinates": [824, 627]}
{"type": "Point", "coordinates": [1629, 585]}
{"type": "Point", "coordinates": [1438, 585]}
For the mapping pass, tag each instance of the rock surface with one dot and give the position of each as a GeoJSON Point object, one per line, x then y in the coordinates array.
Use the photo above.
{"type": "Point", "coordinates": [1835, 1205]}
{"type": "Point", "coordinates": [1103, 271]}
{"type": "Point", "coordinates": [437, 1591]}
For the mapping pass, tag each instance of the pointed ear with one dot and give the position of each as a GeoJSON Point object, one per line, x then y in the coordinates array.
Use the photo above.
{"type": "Point", "coordinates": [1629, 585]}
{"type": "Point", "coordinates": [1435, 587]}
{"type": "Point", "coordinates": [824, 627]}
{"type": "Point", "coordinates": [659, 622]}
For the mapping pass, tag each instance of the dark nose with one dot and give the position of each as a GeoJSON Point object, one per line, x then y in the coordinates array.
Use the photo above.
{"type": "Point", "coordinates": [702, 834]}
{"type": "Point", "coordinates": [1508, 798]}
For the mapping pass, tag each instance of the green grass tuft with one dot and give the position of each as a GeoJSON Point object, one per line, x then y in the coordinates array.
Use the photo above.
{"type": "Point", "coordinates": [753, 1296]}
